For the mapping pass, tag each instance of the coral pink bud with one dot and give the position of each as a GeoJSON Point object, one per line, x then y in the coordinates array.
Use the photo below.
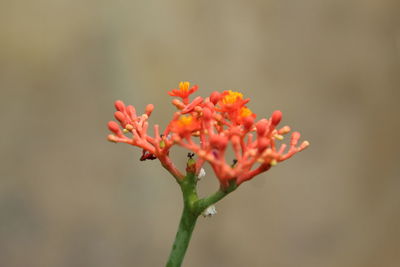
{"type": "Point", "coordinates": [178, 104]}
{"type": "Point", "coordinates": [119, 105]}
{"type": "Point", "coordinates": [262, 126]}
{"type": "Point", "coordinates": [248, 122]}
{"type": "Point", "coordinates": [284, 130]}
{"type": "Point", "coordinates": [215, 97]}
{"type": "Point", "coordinates": [120, 117]}
{"type": "Point", "coordinates": [114, 127]}
{"type": "Point", "coordinates": [198, 109]}
{"type": "Point", "coordinates": [112, 138]}
{"type": "Point", "coordinates": [304, 145]}
{"type": "Point", "coordinates": [207, 113]}
{"type": "Point", "coordinates": [219, 142]}
{"type": "Point", "coordinates": [276, 118]}
{"type": "Point", "coordinates": [149, 109]}
{"type": "Point", "coordinates": [130, 110]}
{"type": "Point", "coordinates": [262, 144]}
{"type": "Point", "coordinates": [197, 101]}
{"type": "Point", "coordinates": [295, 138]}
{"type": "Point", "coordinates": [192, 105]}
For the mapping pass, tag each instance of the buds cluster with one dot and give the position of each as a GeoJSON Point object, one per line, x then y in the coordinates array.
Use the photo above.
{"type": "Point", "coordinates": [156, 146]}
{"type": "Point", "coordinates": [207, 127]}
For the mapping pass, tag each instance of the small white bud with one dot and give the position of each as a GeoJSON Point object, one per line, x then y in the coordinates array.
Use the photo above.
{"type": "Point", "coordinates": [202, 173]}
{"type": "Point", "coordinates": [210, 211]}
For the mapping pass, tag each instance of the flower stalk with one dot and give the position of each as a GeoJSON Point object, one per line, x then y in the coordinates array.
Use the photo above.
{"type": "Point", "coordinates": [183, 236]}
{"type": "Point", "coordinates": [193, 206]}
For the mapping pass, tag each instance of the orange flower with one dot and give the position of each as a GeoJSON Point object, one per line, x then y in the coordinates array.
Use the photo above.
{"type": "Point", "coordinates": [245, 112]}
{"type": "Point", "coordinates": [184, 91]}
{"type": "Point", "coordinates": [185, 125]}
{"type": "Point", "coordinates": [230, 97]}
{"type": "Point", "coordinates": [231, 101]}
{"type": "Point", "coordinates": [246, 117]}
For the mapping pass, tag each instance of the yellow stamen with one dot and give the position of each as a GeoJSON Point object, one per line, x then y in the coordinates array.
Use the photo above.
{"type": "Point", "coordinates": [185, 120]}
{"type": "Point", "coordinates": [273, 162]}
{"type": "Point", "coordinates": [232, 97]}
{"type": "Point", "coordinates": [244, 112]}
{"type": "Point", "coordinates": [184, 86]}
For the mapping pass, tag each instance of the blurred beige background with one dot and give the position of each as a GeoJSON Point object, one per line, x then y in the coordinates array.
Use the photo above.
{"type": "Point", "coordinates": [70, 198]}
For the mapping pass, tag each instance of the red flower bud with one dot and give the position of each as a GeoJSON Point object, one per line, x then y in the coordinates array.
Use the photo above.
{"type": "Point", "coordinates": [215, 97]}
{"type": "Point", "coordinates": [114, 127]}
{"type": "Point", "coordinates": [178, 104]}
{"type": "Point", "coordinates": [276, 118]}
{"type": "Point", "coordinates": [130, 110]}
{"type": "Point", "coordinates": [262, 143]}
{"type": "Point", "coordinates": [262, 126]}
{"type": "Point", "coordinates": [207, 113]}
{"type": "Point", "coordinates": [119, 105]}
{"type": "Point", "coordinates": [119, 116]}
{"type": "Point", "coordinates": [192, 105]}
{"type": "Point", "coordinates": [248, 122]}
{"type": "Point", "coordinates": [149, 109]}
{"type": "Point", "coordinates": [218, 141]}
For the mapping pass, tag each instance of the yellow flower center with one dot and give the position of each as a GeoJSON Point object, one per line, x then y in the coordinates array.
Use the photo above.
{"type": "Point", "coordinates": [184, 86]}
{"type": "Point", "coordinates": [244, 112]}
{"type": "Point", "coordinates": [185, 120]}
{"type": "Point", "coordinates": [232, 97]}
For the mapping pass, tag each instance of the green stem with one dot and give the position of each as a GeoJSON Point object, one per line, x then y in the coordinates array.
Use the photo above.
{"type": "Point", "coordinates": [182, 239]}
{"type": "Point", "coordinates": [192, 208]}
{"type": "Point", "coordinates": [203, 203]}
{"type": "Point", "coordinates": [188, 220]}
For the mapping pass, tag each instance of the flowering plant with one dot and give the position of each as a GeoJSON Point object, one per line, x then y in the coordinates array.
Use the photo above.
{"type": "Point", "coordinates": [206, 127]}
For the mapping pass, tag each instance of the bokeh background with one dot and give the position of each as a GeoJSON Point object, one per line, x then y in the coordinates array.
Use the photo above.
{"type": "Point", "coordinates": [70, 198]}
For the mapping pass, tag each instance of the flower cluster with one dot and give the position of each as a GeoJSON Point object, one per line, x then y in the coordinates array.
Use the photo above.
{"type": "Point", "coordinates": [206, 127]}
